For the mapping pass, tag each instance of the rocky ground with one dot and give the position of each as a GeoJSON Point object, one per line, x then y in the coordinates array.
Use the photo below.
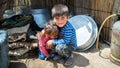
{"type": "Point", "coordinates": [90, 58]}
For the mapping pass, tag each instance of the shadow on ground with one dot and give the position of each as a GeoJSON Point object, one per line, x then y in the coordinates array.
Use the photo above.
{"type": "Point", "coordinates": [79, 61]}
{"type": "Point", "coordinates": [93, 48]}
{"type": "Point", "coordinates": [17, 65]}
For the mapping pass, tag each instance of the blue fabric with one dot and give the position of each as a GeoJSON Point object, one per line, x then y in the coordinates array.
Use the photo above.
{"type": "Point", "coordinates": [41, 55]}
{"type": "Point", "coordinates": [68, 36]}
{"type": "Point", "coordinates": [52, 55]}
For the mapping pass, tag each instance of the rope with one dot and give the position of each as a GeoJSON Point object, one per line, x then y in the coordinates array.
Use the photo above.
{"type": "Point", "coordinates": [101, 28]}
{"type": "Point", "coordinates": [116, 59]}
{"type": "Point", "coordinates": [97, 47]}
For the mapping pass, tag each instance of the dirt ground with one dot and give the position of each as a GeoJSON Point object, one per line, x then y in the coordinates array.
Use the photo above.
{"type": "Point", "coordinates": [90, 58]}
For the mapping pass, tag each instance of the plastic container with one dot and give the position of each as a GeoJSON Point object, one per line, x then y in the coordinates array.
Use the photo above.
{"type": "Point", "coordinates": [41, 16]}
{"type": "Point", "coordinates": [4, 58]}
{"type": "Point", "coordinates": [86, 31]}
{"type": "Point", "coordinates": [115, 43]}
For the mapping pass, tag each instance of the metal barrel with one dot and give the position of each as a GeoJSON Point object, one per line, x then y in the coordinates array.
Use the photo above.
{"type": "Point", "coordinates": [115, 43]}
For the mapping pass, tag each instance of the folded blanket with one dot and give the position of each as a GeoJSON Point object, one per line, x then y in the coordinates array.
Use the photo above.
{"type": "Point", "coordinates": [16, 21]}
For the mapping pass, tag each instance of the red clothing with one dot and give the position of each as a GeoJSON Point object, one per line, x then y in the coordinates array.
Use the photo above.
{"type": "Point", "coordinates": [42, 43]}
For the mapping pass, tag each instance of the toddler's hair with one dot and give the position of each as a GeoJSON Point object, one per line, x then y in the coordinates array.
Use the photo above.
{"type": "Point", "coordinates": [51, 28]}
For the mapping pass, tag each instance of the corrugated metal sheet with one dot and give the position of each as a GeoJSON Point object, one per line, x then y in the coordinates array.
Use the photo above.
{"type": "Point", "coordinates": [99, 9]}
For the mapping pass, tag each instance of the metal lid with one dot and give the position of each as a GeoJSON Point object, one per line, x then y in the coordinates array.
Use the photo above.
{"type": "Point", "coordinates": [86, 31]}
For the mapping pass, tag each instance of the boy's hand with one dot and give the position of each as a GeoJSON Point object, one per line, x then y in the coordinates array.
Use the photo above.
{"type": "Point", "coordinates": [49, 44]}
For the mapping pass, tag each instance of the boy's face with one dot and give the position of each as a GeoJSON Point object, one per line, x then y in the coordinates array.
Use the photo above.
{"type": "Point", "coordinates": [60, 20]}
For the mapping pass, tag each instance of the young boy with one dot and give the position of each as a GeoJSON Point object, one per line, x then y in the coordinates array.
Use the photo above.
{"type": "Point", "coordinates": [67, 42]}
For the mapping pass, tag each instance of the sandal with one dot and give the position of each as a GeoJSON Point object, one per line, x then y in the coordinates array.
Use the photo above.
{"type": "Point", "coordinates": [69, 62]}
{"type": "Point", "coordinates": [57, 58]}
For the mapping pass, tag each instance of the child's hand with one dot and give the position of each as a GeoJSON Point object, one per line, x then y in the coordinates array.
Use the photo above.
{"type": "Point", "coordinates": [39, 35]}
{"type": "Point", "coordinates": [49, 44]}
{"type": "Point", "coordinates": [47, 57]}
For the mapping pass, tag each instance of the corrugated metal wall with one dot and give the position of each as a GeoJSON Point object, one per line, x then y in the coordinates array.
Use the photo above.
{"type": "Point", "coordinates": [99, 9]}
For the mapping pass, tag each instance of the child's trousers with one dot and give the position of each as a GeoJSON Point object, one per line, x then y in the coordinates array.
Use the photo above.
{"type": "Point", "coordinates": [64, 50]}
{"type": "Point", "coordinates": [42, 56]}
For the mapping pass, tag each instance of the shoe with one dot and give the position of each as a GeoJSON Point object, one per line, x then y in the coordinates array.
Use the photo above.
{"type": "Point", "coordinates": [52, 55]}
{"type": "Point", "coordinates": [57, 58]}
{"type": "Point", "coordinates": [69, 62]}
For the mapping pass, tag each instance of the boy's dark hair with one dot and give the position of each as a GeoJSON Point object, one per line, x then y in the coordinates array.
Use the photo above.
{"type": "Point", "coordinates": [51, 28]}
{"type": "Point", "coordinates": [59, 10]}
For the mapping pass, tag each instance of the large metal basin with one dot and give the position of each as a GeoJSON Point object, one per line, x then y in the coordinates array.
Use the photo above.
{"type": "Point", "coordinates": [86, 31]}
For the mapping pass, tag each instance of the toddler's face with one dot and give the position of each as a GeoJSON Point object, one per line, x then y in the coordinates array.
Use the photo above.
{"type": "Point", "coordinates": [60, 20]}
{"type": "Point", "coordinates": [52, 35]}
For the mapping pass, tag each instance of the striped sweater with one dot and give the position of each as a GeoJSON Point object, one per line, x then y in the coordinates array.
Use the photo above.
{"type": "Point", "coordinates": [68, 35]}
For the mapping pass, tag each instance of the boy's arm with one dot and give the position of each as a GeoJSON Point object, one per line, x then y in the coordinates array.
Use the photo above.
{"type": "Point", "coordinates": [49, 44]}
{"type": "Point", "coordinates": [66, 38]}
